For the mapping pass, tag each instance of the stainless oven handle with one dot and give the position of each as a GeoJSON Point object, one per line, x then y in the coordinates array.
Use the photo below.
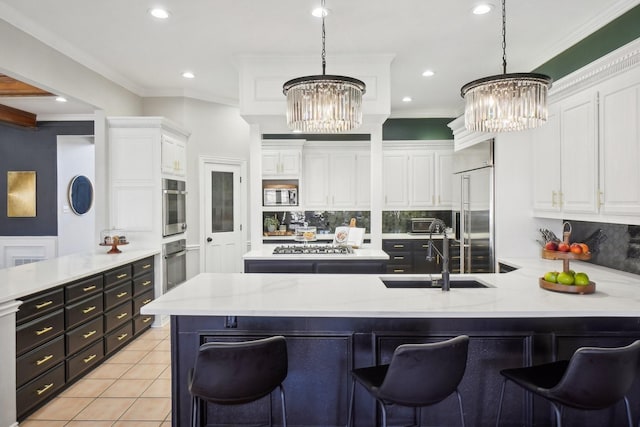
{"type": "Point", "coordinates": [173, 192]}
{"type": "Point", "coordinates": [175, 254]}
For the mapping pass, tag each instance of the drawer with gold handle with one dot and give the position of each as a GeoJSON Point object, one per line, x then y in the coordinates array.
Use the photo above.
{"type": "Point", "coordinates": [84, 334]}
{"type": "Point", "coordinates": [85, 359]}
{"type": "Point", "coordinates": [30, 335]}
{"type": "Point", "coordinates": [83, 310]}
{"type": "Point", "coordinates": [39, 305]}
{"type": "Point", "coordinates": [84, 288]}
{"type": "Point", "coordinates": [38, 360]}
{"type": "Point", "coordinates": [45, 386]}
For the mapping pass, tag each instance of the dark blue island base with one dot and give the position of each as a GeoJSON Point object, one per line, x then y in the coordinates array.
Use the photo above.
{"type": "Point", "coordinates": [322, 352]}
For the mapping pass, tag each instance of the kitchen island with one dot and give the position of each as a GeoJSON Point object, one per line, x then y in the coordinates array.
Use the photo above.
{"type": "Point", "coordinates": [40, 331]}
{"type": "Point", "coordinates": [334, 323]}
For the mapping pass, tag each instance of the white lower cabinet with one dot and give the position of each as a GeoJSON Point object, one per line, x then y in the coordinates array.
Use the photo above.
{"type": "Point", "coordinates": [417, 175]}
{"type": "Point", "coordinates": [336, 177]}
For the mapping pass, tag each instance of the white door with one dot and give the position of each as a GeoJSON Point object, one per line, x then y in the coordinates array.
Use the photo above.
{"type": "Point", "coordinates": [222, 218]}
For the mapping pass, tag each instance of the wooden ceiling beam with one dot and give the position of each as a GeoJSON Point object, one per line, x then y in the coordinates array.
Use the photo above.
{"type": "Point", "coordinates": [12, 87]}
{"type": "Point", "coordinates": [17, 117]}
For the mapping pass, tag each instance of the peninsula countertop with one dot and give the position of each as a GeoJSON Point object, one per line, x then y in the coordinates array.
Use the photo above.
{"type": "Point", "coordinates": [510, 295]}
{"type": "Point", "coordinates": [17, 282]}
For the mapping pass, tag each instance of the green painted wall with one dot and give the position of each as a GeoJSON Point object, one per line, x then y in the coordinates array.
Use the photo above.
{"type": "Point", "coordinates": [416, 129]}
{"type": "Point", "coordinates": [615, 34]}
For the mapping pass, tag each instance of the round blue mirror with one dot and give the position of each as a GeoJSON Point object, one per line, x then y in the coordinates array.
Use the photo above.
{"type": "Point", "coordinates": [80, 194]}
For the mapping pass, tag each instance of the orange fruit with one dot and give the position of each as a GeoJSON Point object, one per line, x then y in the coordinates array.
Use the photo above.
{"type": "Point", "coordinates": [585, 248]}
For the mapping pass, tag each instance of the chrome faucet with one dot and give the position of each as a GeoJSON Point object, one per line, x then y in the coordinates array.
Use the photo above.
{"type": "Point", "coordinates": [440, 227]}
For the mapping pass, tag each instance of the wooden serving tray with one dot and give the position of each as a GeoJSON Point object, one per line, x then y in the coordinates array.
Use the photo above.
{"type": "Point", "coordinates": [546, 254]}
{"type": "Point", "coordinates": [569, 289]}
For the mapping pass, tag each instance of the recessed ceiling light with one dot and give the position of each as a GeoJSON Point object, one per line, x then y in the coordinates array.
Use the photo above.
{"type": "Point", "coordinates": [188, 75]}
{"type": "Point", "coordinates": [61, 99]}
{"type": "Point", "coordinates": [407, 99]}
{"type": "Point", "coordinates": [482, 8]}
{"type": "Point", "coordinates": [319, 12]}
{"type": "Point", "coordinates": [158, 12]}
{"type": "Point", "coordinates": [428, 73]}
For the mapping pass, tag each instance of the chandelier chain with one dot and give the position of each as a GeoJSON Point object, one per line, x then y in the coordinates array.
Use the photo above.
{"type": "Point", "coordinates": [504, 37]}
{"type": "Point", "coordinates": [324, 52]}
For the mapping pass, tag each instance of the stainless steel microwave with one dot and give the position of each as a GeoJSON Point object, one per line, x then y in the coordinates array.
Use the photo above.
{"type": "Point", "coordinates": [280, 195]}
{"type": "Point", "coordinates": [174, 201]}
{"type": "Point", "coordinates": [421, 225]}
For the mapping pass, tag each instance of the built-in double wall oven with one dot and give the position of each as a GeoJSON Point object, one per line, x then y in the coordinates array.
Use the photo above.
{"type": "Point", "coordinates": [175, 264]}
{"type": "Point", "coordinates": [174, 200]}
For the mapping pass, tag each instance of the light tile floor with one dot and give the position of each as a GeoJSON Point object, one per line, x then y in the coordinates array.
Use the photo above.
{"type": "Point", "coordinates": [132, 388]}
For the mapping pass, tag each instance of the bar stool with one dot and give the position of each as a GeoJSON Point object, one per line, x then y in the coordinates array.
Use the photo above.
{"type": "Point", "coordinates": [594, 378]}
{"type": "Point", "coordinates": [418, 375]}
{"type": "Point", "coordinates": [233, 373]}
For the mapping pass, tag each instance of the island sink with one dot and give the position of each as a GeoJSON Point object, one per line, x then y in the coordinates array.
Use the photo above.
{"type": "Point", "coordinates": [432, 284]}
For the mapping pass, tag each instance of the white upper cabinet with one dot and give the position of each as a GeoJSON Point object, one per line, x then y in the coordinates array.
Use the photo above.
{"type": "Point", "coordinates": [586, 157]}
{"type": "Point", "coordinates": [579, 154]}
{"type": "Point", "coordinates": [417, 175]}
{"type": "Point", "coordinates": [546, 163]}
{"type": "Point", "coordinates": [395, 178]}
{"type": "Point", "coordinates": [620, 146]}
{"type": "Point", "coordinates": [336, 177]}
{"type": "Point", "coordinates": [281, 159]}
{"type": "Point", "coordinates": [565, 158]}
{"type": "Point", "coordinates": [174, 156]}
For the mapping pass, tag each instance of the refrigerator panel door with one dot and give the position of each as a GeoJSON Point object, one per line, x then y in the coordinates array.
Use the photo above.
{"type": "Point", "coordinates": [476, 221]}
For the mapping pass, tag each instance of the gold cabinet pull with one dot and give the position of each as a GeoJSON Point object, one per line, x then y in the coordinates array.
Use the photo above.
{"type": "Point", "coordinates": [121, 294]}
{"type": "Point", "coordinates": [89, 288]}
{"type": "Point", "coordinates": [89, 309]}
{"type": "Point", "coordinates": [123, 336]}
{"type": "Point", "coordinates": [45, 388]}
{"type": "Point", "coordinates": [147, 301]}
{"type": "Point", "coordinates": [121, 276]}
{"type": "Point", "coordinates": [560, 198]}
{"type": "Point", "coordinates": [44, 330]}
{"type": "Point", "coordinates": [146, 320]}
{"type": "Point", "coordinates": [600, 197]}
{"type": "Point", "coordinates": [553, 198]}
{"type": "Point", "coordinates": [144, 267]}
{"type": "Point", "coordinates": [398, 246]}
{"type": "Point", "coordinates": [146, 283]}
{"type": "Point", "coordinates": [88, 334]}
{"type": "Point", "coordinates": [44, 304]}
{"type": "Point", "coordinates": [398, 257]}
{"type": "Point", "coordinates": [398, 270]}
{"type": "Point", "coordinates": [121, 316]}
{"type": "Point", "coordinates": [44, 360]}
{"type": "Point", "coordinates": [90, 358]}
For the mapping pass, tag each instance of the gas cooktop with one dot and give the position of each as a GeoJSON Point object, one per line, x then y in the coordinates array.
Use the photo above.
{"type": "Point", "coordinates": [311, 249]}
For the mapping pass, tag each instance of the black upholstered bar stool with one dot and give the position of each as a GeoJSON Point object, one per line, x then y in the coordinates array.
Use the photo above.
{"type": "Point", "coordinates": [233, 373]}
{"type": "Point", "coordinates": [418, 375]}
{"type": "Point", "coordinates": [594, 378]}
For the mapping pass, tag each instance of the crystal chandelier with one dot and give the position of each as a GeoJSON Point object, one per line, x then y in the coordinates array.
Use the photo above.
{"type": "Point", "coordinates": [506, 102]}
{"type": "Point", "coordinates": [324, 103]}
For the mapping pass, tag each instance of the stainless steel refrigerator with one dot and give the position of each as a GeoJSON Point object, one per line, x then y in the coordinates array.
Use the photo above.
{"type": "Point", "coordinates": [473, 208]}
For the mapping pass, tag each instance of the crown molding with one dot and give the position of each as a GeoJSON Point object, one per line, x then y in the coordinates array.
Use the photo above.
{"type": "Point", "coordinates": [620, 60]}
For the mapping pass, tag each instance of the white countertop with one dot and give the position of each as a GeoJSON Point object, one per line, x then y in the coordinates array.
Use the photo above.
{"type": "Point", "coordinates": [16, 282]}
{"type": "Point", "coordinates": [512, 295]}
{"type": "Point", "coordinates": [265, 252]}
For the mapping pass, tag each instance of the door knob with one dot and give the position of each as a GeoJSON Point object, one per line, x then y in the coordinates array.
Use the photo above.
{"type": "Point", "coordinates": [209, 239]}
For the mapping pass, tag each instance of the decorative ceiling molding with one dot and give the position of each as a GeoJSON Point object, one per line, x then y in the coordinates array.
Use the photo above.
{"type": "Point", "coordinates": [620, 60]}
